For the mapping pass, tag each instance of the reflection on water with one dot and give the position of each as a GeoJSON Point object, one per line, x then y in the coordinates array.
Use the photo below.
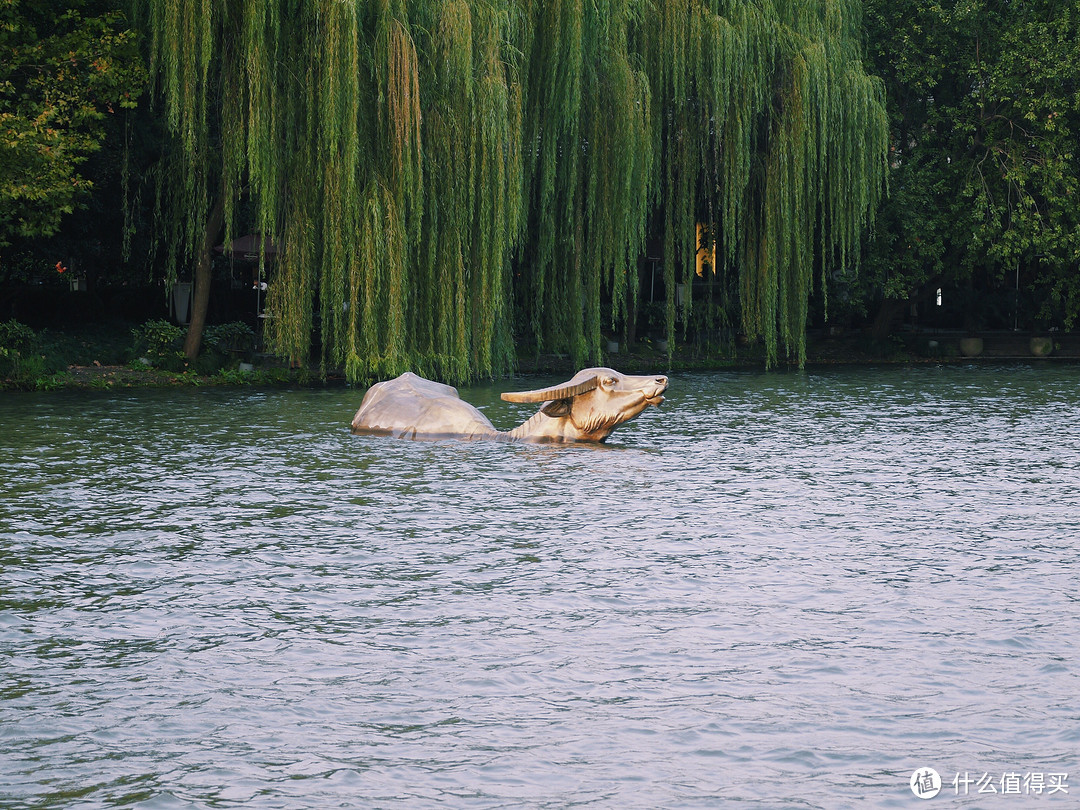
{"type": "Point", "coordinates": [777, 589]}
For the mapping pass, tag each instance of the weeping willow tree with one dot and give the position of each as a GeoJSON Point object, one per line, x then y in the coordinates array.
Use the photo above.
{"type": "Point", "coordinates": [588, 169]}
{"type": "Point", "coordinates": [769, 131]}
{"type": "Point", "coordinates": [379, 145]}
{"type": "Point", "coordinates": [441, 175]}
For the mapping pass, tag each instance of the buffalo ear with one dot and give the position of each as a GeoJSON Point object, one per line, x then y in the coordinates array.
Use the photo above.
{"type": "Point", "coordinates": [557, 408]}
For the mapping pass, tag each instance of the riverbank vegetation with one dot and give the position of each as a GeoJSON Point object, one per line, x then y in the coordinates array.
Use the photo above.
{"type": "Point", "coordinates": [116, 355]}
{"type": "Point", "coordinates": [461, 187]}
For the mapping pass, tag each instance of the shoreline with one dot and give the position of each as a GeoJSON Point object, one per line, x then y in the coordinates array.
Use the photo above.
{"type": "Point", "coordinates": [823, 351]}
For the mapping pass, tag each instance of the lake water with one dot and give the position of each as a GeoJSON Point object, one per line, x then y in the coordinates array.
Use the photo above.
{"type": "Point", "coordinates": [777, 590]}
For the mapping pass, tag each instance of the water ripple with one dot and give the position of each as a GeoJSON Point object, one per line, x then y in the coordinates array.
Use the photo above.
{"type": "Point", "coordinates": [777, 590]}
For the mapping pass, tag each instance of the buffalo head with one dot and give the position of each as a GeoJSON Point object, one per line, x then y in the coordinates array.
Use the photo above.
{"type": "Point", "coordinates": [589, 406]}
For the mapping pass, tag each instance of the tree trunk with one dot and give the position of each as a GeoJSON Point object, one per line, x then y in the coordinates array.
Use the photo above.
{"type": "Point", "coordinates": [630, 326]}
{"type": "Point", "coordinates": [201, 298]}
{"type": "Point", "coordinates": [887, 314]}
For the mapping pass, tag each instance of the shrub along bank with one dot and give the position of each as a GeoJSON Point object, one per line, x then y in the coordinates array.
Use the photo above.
{"type": "Point", "coordinates": [119, 355]}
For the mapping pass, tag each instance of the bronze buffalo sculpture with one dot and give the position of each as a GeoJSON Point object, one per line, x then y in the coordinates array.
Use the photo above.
{"type": "Point", "coordinates": [584, 409]}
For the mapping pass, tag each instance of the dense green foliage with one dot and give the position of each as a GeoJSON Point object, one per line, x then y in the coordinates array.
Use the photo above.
{"type": "Point", "coordinates": [26, 359]}
{"type": "Point", "coordinates": [452, 182]}
{"type": "Point", "coordinates": [411, 157]}
{"type": "Point", "coordinates": [16, 347]}
{"type": "Point", "coordinates": [63, 69]}
{"type": "Point", "coordinates": [110, 356]}
{"type": "Point", "coordinates": [158, 343]}
{"type": "Point", "coordinates": [984, 101]}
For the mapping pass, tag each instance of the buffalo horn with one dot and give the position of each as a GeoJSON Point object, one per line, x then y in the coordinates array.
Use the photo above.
{"type": "Point", "coordinates": [563, 391]}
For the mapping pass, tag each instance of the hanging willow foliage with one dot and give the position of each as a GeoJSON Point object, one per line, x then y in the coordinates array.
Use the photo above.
{"type": "Point", "coordinates": [441, 175]}
{"type": "Point", "coordinates": [770, 131]}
